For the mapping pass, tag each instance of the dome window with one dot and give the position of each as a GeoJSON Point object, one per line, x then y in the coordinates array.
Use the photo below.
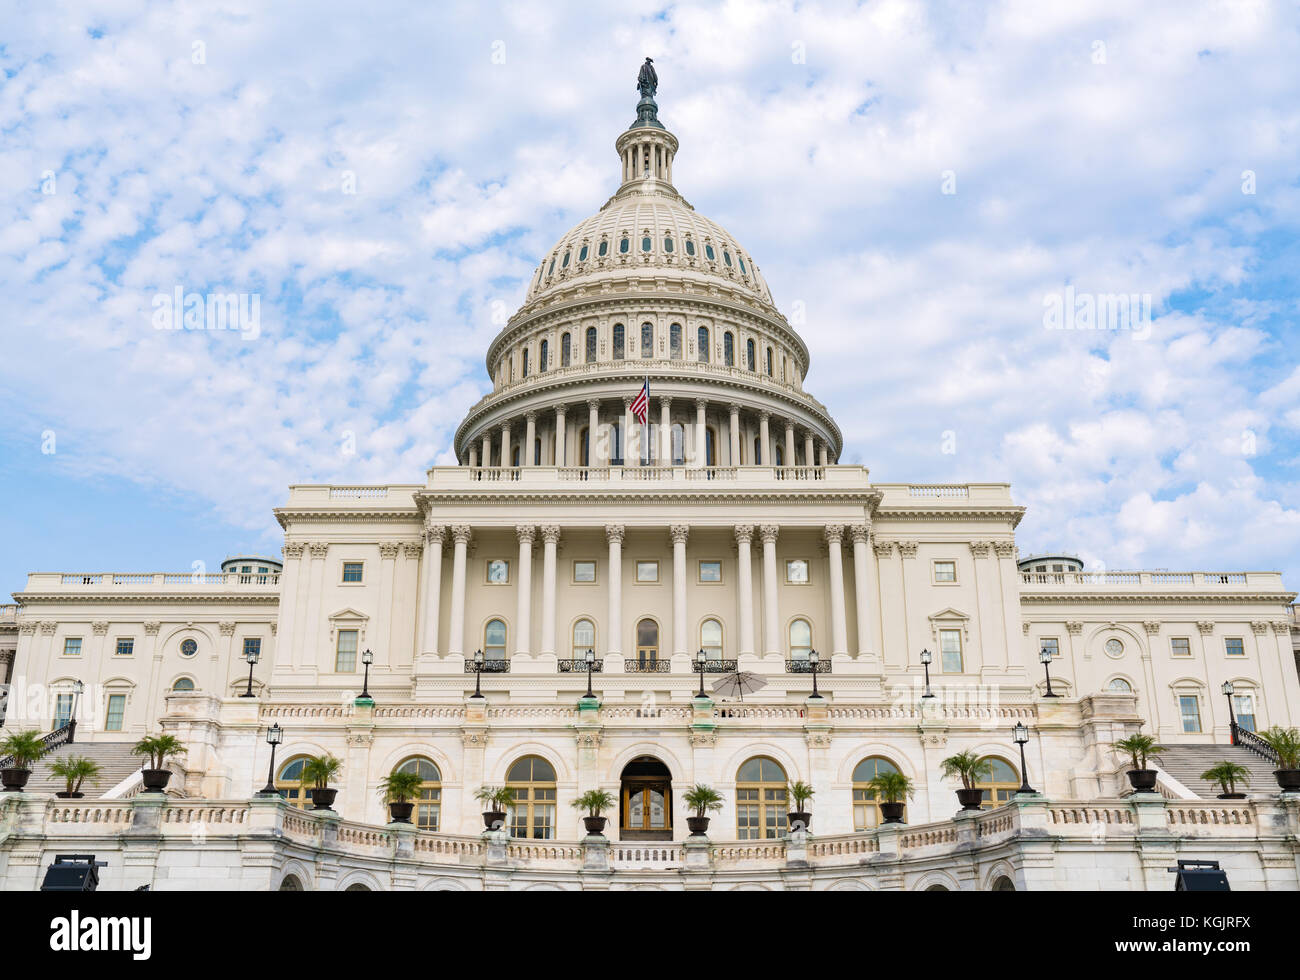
{"type": "Point", "coordinates": [566, 351]}
{"type": "Point", "coordinates": [624, 244]}
{"type": "Point", "coordinates": [690, 247]}
{"type": "Point", "coordinates": [647, 340]}
{"type": "Point", "coordinates": [675, 341]}
{"type": "Point", "coordinates": [742, 263]}
{"type": "Point", "coordinates": [565, 264]}
{"type": "Point", "coordinates": [668, 243]}
{"type": "Point", "coordinates": [582, 254]}
{"type": "Point", "coordinates": [749, 355]}
{"type": "Point", "coordinates": [646, 244]}
{"type": "Point", "coordinates": [702, 345]}
{"type": "Point", "coordinates": [708, 253]}
{"type": "Point", "coordinates": [544, 355]}
{"type": "Point", "coordinates": [551, 270]}
{"type": "Point", "coordinates": [619, 341]}
{"type": "Point", "coordinates": [603, 250]}
{"type": "Point", "coordinates": [591, 344]}
{"type": "Point", "coordinates": [726, 257]}
{"type": "Point", "coordinates": [728, 349]}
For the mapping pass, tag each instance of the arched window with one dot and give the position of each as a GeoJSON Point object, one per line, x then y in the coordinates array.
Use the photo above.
{"type": "Point", "coordinates": [647, 340]}
{"type": "Point", "coordinates": [702, 345]}
{"type": "Point", "coordinates": [1004, 884]}
{"type": "Point", "coordinates": [708, 252]}
{"type": "Point", "coordinates": [749, 356]}
{"type": "Point", "coordinates": [542, 358]}
{"type": "Point", "coordinates": [866, 808]}
{"type": "Point", "coordinates": [525, 363]}
{"type": "Point", "coordinates": [729, 349]}
{"type": "Point", "coordinates": [591, 344]}
{"type": "Point", "coordinates": [668, 243]}
{"type": "Point", "coordinates": [690, 246]}
{"type": "Point", "coordinates": [537, 452]}
{"type": "Point", "coordinates": [647, 643]}
{"type": "Point", "coordinates": [769, 362]}
{"type": "Point", "coordinates": [616, 443]}
{"type": "Point", "coordinates": [760, 799]}
{"type": "Point", "coordinates": [291, 884]}
{"type": "Point", "coordinates": [566, 350]}
{"type": "Point", "coordinates": [679, 444]}
{"type": "Point", "coordinates": [709, 443]}
{"type": "Point", "coordinates": [289, 783]}
{"type": "Point", "coordinates": [564, 263]}
{"type": "Point", "coordinates": [533, 814]}
{"type": "Point", "coordinates": [800, 639]}
{"type": "Point", "coordinates": [514, 456]}
{"type": "Point", "coordinates": [675, 341]}
{"type": "Point", "coordinates": [624, 245]}
{"type": "Point", "coordinates": [779, 453]}
{"type": "Point", "coordinates": [584, 638]}
{"type": "Point", "coordinates": [646, 244]}
{"type": "Point", "coordinates": [494, 640]}
{"type": "Point", "coordinates": [603, 249]}
{"type": "Point", "coordinates": [758, 451]}
{"type": "Point", "coordinates": [1120, 686]}
{"type": "Point", "coordinates": [582, 254]}
{"type": "Point", "coordinates": [428, 804]}
{"type": "Point", "coordinates": [618, 341]}
{"type": "Point", "coordinates": [711, 639]}
{"type": "Point", "coordinates": [183, 684]}
{"type": "Point", "coordinates": [999, 787]}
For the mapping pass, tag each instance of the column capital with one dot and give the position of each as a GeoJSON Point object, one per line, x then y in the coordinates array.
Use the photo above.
{"type": "Point", "coordinates": [560, 410]}
{"type": "Point", "coordinates": [733, 408]}
{"type": "Point", "coordinates": [980, 549]}
{"type": "Point", "coordinates": [769, 532]}
{"type": "Point", "coordinates": [412, 549]}
{"type": "Point", "coordinates": [318, 548]}
{"type": "Point", "coordinates": [227, 627]}
{"type": "Point", "coordinates": [550, 533]}
{"type": "Point", "coordinates": [907, 548]}
{"type": "Point", "coordinates": [665, 401]}
{"type": "Point", "coordinates": [100, 627]}
{"type": "Point", "coordinates": [505, 426]}
{"type": "Point", "coordinates": [789, 425]}
{"type": "Point", "coordinates": [152, 626]}
{"type": "Point", "coordinates": [614, 533]}
{"type": "Point", "coordinates": [860, 532]}
{"type": "Point", "coordinates": [525, 532]}
{"type": "Point", "coordinates": [744, 533]}
{"type": "Point", "coordinates": [530, 417]}
{"type": "Point", "coordinates": [701, 403]}
{"type": "Point", "coordinates": [679, 533]}
{"type": "Point", "coordinates": [388, 549]}
{"type": "Point", "coordinates": [834, 533]}
{"type": "Point", "coordinates": [293, 549]}
{"type": "Point", "coordinates": [1005, 549]}
{"type": "Point", "coordinates": [461, 533]}
{"type": "Point", "coordinates": [883, 549]}
{"type": "Point", "coordinates": [764, 415]}
{"type": "Point", "coordinates": [435, 533]}
{"type": "Point", "coordinates": [593, 404]}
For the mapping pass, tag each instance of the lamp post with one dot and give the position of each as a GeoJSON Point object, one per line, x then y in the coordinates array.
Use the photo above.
{"type": "Point", "coordinates": [1232, 718]}
{"type": "Point", "coordinates": [273, 736]}
{"type": "Point", "coordinates": [814, 658]}
{"type": "Point", "coordinates": [1045, 657]}
{"type": "Point", "coordinates": [252, 656]}
{"type": "Point", "coordinates": [1020, 734]}
{"type": "Point", "coordinates": [77, 688]}
{"type": "Point", "coordinates": [926, 657]}
{"type": "Point", "coordinates": [591, 663]}
{"type": "Point", "coordinates": [701, 661]}
{"type": "Point", "coordinates": [478, 672]}
{"type": "Point", "coordinates": [367, 658]}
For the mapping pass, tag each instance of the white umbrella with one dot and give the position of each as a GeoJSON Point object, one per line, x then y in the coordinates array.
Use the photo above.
{"type": "Point", "coordinates": [739, 684]}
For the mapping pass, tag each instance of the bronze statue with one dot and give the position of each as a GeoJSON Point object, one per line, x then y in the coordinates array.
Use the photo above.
{"type": "Point", "coordinates": [647, 81]}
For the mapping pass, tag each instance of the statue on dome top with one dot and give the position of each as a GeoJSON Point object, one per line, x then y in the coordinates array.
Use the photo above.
{"type": "Point", "coordinates": [647, 81]}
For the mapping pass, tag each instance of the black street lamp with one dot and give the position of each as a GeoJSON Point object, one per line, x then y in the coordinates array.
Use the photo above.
{"type": "Point", "coordinates": [252, 656]}
{"type": "Point", "coordinates": [1232, 717]}
{"type": "Point", "coordinates": [814, 658]}
{"type": "Point", "coordinates": [77, 688]}
{"type": "Point", "coordinates": [478, 672]}
{"type": "Point", "coordinates": [591, 663]}
{"type": "Point", "coordinates": [273, 736]}
{"type": "Point", "coordinates": [1045, 657]}
{"type": "Point", "coordinates": [367, 658]}
{"type": "Point", "coordinates": [926, 657]}
{"type": "Point", "coordinates": [1020, 734]}
{"type": "Point", "coordinates": [701, 661]}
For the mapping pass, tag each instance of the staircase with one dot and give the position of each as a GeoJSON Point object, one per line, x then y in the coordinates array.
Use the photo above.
{"type": "Point", "coordinates": [114, 758]}
{"type": "Point", "coordinates": [1186, 763]}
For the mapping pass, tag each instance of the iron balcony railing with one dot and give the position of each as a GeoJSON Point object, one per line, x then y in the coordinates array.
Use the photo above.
{"type": "Point", "coordinates": [800, 666]}
{"type": "Point", "coordinates": [715, 667]}
{"type": "Point", "coordinates": [579, 666]}
{"type": "Point", "coordinates": [656, 666]}
{"type": "Point", "coordinates": [488, 667]}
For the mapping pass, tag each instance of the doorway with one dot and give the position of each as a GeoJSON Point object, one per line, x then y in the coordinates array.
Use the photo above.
{"type": "Point", "coordinates": [645, 804]}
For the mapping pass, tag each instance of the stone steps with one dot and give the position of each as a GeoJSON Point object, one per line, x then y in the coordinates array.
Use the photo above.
{"type": "Point", "coordinates": [1186, 763]}
{"type": "Point", "coordinates": [114, 758]}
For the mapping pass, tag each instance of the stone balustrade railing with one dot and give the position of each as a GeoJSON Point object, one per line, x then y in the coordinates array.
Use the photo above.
{"type": "Point", "coordinates": [697, 478]}
{"type": "Point", "coordinates": [1153, 578]}
{"type": "Point", "coordinates": [172, 581]}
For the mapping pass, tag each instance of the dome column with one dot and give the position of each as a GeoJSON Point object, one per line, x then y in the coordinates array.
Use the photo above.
{"type": "Point", "coordinates": [808, 448]}
{"type": "Point", "coordinates": [733, 430]}
{"type": "Point", "coordinates": [593, 422]}
{"type": "Point", "coordinates": [789, 444]}
{"type": "Point", "coordinates": [486, 458]}
{"type": "Point", "coordinates": [559, 436]}
{"type": "Point", "coordinates": [701, 447]}
{"type": "Point", "coordinates": [505, 444]}
{"type": "Point", "coordinates": [765, 437]}
{"type": "Point", "coordinates": [530, 437]}
{"type": "Point", "coordinates": [666, 430]}
{"type": "Point", "coordinates": [823, 458]}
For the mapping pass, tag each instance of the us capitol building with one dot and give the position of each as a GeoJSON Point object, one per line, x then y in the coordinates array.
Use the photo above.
{"type": "Point", "coordinates": [721, 536]}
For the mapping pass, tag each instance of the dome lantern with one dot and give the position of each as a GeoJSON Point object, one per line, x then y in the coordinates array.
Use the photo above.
{"type": "Point", "coordinates": [646, 148]}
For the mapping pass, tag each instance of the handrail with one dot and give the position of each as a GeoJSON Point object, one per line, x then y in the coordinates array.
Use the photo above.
{"type": "Point", "coordinates": [1249, 740]}
{"type": "Point", "coordinates": [65, 735]}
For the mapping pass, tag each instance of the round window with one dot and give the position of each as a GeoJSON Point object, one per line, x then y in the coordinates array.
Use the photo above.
{"type": "Point", "coordinates": [189, 648]}
{"type": "Point", "coordinates": [1114, 648]}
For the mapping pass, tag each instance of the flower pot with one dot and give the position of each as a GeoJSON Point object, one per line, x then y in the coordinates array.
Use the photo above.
{"type": "Point", "coordinates": [594, 825]}
{"type": "Point", "coordinates": [799, 819]}
{"type": "Point", "coordinates": [63, 794]}
{"type": "Point", "coordinates": [970, 799]}
{"type": "Point", "coordinates": [323, 799]}
{"type": "Point", "coordinates": [698, 825]}
{"type": "Point", "coordinates": [15, 779]}
{"type": "Point", "coordinates": [155, 780]}
{"type": "Point", "coordinates": [892, 812]}
{"type": "Point", "coordinates": [1143, 780]}
{"type": "Point", "coordinates": [1232, 796]}
{"type": "Point", "coordinates": [400, 812]}
{"type": "Point", "coordinates": [1288, 779]}
{"type": "Point", "coordinates": [494, 819]}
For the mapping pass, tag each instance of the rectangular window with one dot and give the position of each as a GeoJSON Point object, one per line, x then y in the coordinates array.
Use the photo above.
{"type": "Point", "coordinates": [710, 571]}
{"type": "Point", "coordinates": [950, 651]}
{"type": "Point", "coordinates": [1189, 706]}
{"type": "Point", "coordinates": [584, 571]}
{"type": "Point", "coordinates": [945, 571]}
{"type": "Point", "coordinates": [1233, 646]}
{"type": "Point", "coordinates": [647, 571]}
{"type": "Point", "coordinates": [345, 656]}
{"type": "Point", "coordinates": [1180, 646]}
{"type": "Point", "coordinates": [72, 646]}
{"type": "Point", "coordinates": [1050, 643]}
{"type": "Point", "coordinates": [62, 710]}
{"type": "Point", "coordinates": [116, 709]}
{"type": "Point", "coordinates": [498, 571]}
{"type": "Point", "coordinates": [796, 571]}
{"type": "Point", "coordinates": [1243, 705]}
{"type": "Point", "coordinates": [125, 646]}
{"type": "Point", "coordinates": [352, 571]}
{"type": "Point", "coordinates": [252, 644]}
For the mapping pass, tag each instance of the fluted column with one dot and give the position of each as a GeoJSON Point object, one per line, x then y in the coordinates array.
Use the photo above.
{"type": "Point", "coordinates": [701, 450]}
{"type": "Point", "coordinates": [789, 444]}
{"type": "Point", "coordinates": [473, 457]}
{"type": "Point", "coordinates": [733, 431]}
{"type": "Point", "coordinates": [863, 585]}
{"type": "Point", "coordinates": [524, 589]}
{"type": "Point", "coordinates": [505, 444]}
{"type": "Point", "coordinates": [559, 436]}
{"type": "Point", "coordinates": [550, 539]}
{"type": "Point", "coordinates": [745, 586]}
{"type": "Point", "coordinates": [835, 558]}
{"type": "Point", "coordinates": [530, 437]}
{"type": "Point", "coordinates": [666, 429]}
{"type": "Point", "coordinates": [808, 459]}
{"type": "Point", "coordinates": [771, 620]}
{"type": "Point", "coordinates": [765, 438]}
{"type": "Point", "coordinates": [678, 533]}
{"type": "Point", "coordinates": [628, 458]}
{"type": "Point", "coordinates": [825, 453]}
{"type": "Point", "coordinates": [486, 455]}
{"type": "Point", "coordinates": [460, 535]}
{"type": "Point", "coordinates": [593, 421]}
{"type": "Point", "coordinates": [434, 535]}
{"type": "Point", "coordinates": [614, 638]}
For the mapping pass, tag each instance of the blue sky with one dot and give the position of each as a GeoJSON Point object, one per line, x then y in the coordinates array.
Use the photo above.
{"type": "Point", "coordinates": [916, 177]}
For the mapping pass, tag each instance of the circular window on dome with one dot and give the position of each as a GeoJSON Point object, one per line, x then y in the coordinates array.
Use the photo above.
{"type": "Point", "coordinates": [565, 263]}
{"type": "Point", "coordinates": [604, 248]}
{"type": "Point", "coordinates": [690, 247]}
{"type": "Point", "coordinates": [646, 244]}
{"type": "Point", "coordinates": [668, 244]}
{"type": "Point", "coordinates": [726, 256]}
{"type": "Point", "coordinates": [582, 255]}
{"type": "Point", "coordinates": [708, 252]}
{"type": "Point", "coordinates": [189, 648]}
{"type": "Point", "coordinates": [1114, 647]}
{"type": "Point", "coordinates": [624, 245]}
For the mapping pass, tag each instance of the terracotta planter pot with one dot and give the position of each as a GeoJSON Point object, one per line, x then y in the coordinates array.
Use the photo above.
{"type": "Point", "coordinates": [799, 819]}
{"type": "Point", "coordinates": [697, 825]}
{"type": "Point", "coordinates": [970, 799]}
{"type": "Point", "coordinates": [494, 819]}
{"type": "Point", "coordinates": [400, 812]}
{"type": "Point", "coordinates": [892, 812]}
{"type": "Point", "coordinates": [1143, 780]}
{"type": "Point", "coordinates": [155, 780]}
{"type": "Point", "coordinates": [323, 799]}
{"type": "Point", "coordinates": [15, 779]}
{"type": "Point", "coordinates": [1288, 779]}
{"type": "Point", "coordinates": [63, 794]}
{"type": "Point", "coordinates": [594, 825]}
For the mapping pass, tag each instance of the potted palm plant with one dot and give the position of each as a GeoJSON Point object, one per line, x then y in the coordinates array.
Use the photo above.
{"type": "Point", "coordinates": [496, 800]}
{"type": "Point", "coordinates": [703, 800]}
{"type": "Point", "coordinates": [892, 789]}
{"type": "Point", "coordinates": [74, 770]}
{"type": "Point", "coordinates": [157, 749]}
{"type": "Point", "coordinates": [968, 767]}
{"type": "Point", "coordinates": [594, 801]}
{"type": "Point", "coordinates": [399, 790]}
{"type": "Point", "coordinates": [798, 794]}
{"type": "Point", "coordinates": [1228, 775]}
{"type": "Point", "coordinates": [318, 770]}
{"type": "Point", "coordinates": [1140, 748]}
{"type": "Point", "coordinates": [1286, 743]}
{"type": "Point", "coordinates": [23, 749]}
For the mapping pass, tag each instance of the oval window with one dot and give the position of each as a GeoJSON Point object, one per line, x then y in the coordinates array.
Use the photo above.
{"type": "Point", "coordinates": [189, 648]}
{"type": "Point", "coordinates": [565, 263]}
{"type": "Point", "coordinates": [624, 245]}
{"type": "Point", "coordinates": [668, 244]}
{"type": "Point", "coordinates": [646, 243]}
{"type": "Point", "coordinates": [604, 248]}
{"type": "Point", "coordinates": [690, 247]}
{"type": "Point", "coordinates": [582, 255]}
{"type": "Point", "coordinates": [708, 252]}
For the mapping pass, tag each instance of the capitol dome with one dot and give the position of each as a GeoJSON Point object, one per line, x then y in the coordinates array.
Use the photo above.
{"type": "Point", "coordinates": [647, 292]}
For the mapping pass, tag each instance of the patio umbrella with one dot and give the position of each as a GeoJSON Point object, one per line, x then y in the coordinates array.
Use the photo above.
{"type": "Point", "coordinates": [739, 684]}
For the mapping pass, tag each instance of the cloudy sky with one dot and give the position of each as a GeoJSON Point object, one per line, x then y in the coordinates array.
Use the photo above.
{"type": "Point", "coordinates": [923, 180]}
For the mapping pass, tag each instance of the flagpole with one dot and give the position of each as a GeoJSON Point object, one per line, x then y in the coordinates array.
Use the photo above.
{"type": "Point", "coordinates": [645, 429]}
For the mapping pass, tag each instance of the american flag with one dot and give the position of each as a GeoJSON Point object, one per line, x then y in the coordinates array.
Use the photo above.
{"type": "Point", "coordinates": [641, 403]}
